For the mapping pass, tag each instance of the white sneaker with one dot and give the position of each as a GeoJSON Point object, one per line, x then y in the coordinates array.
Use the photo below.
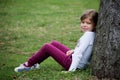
{"type": "Point", "coordinates": [22, 68]}
{"type": "Point", "coordinates": [35, 66]}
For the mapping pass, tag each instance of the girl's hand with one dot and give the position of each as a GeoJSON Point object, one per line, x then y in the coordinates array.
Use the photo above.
{"type": "Point", "coordinates": [69, 52]}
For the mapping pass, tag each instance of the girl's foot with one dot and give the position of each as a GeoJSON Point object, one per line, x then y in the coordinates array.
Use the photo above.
{"type": "Point", "coordinates": [22, 68]}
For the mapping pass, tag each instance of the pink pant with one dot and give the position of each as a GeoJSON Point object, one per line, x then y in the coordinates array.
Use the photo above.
{"type": "Point", "coordinates": [54, 49]}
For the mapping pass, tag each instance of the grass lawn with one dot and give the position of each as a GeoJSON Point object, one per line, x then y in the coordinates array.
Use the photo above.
{"type": "Point", "coordinates": [25, 25]}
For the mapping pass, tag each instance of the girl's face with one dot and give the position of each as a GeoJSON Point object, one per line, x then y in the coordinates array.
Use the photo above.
{"type": "Point", "coordinates": [87, 25]}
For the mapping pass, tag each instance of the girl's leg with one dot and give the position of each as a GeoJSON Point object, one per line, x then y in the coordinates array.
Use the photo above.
{"type": "Point", "coordinates": [50, 50]}
{"type": "Point", "coordinates": [57, 45]}
{"type": "Point", "coordinates": [60, 46]}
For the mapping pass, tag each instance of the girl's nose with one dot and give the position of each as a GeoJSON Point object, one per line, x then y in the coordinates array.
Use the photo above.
{"type": "Point", "coordinates": [84, 25]}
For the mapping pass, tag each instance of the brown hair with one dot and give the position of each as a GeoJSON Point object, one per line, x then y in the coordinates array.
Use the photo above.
{"type": "Point", "coordinates": [92, 14]}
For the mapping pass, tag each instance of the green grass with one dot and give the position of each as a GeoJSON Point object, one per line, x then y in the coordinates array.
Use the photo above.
{"type": "Point", "coordinates": [25, 25]}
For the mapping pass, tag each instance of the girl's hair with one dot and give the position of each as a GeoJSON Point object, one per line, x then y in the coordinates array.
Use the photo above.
{"type": "Point", "coordinates": [92, 15]}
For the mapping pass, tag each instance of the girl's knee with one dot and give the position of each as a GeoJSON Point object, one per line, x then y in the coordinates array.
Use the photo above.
{"type": "Point", "coordinates": [46, 44]}
{"type": "Point", "coordinates": [53, 41]}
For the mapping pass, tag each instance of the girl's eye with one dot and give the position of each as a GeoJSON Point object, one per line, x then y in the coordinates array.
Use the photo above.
{"type": "Point", "coordinates": [88, 23]}
{"type": "Point", "coordinates": [82, 22]}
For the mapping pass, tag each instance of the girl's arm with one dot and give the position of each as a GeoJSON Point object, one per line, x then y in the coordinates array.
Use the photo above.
{"type": "Point", "coordinates": [79, 51]}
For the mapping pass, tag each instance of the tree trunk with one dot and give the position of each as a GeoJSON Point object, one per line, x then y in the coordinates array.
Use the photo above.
{"type": "Point", "coordinates": [106, 51]}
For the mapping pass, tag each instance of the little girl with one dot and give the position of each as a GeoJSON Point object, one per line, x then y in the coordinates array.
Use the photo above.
{"type": "Point", "coordinates": [70, 60]}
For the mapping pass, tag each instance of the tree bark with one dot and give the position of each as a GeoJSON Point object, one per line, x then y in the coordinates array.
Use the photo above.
{"type": "Point", "coordinates": [106, 51]}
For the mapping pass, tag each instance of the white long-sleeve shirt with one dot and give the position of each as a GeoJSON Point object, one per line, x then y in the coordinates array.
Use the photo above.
{"type": "Point", "coordinates": [82, 51]}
